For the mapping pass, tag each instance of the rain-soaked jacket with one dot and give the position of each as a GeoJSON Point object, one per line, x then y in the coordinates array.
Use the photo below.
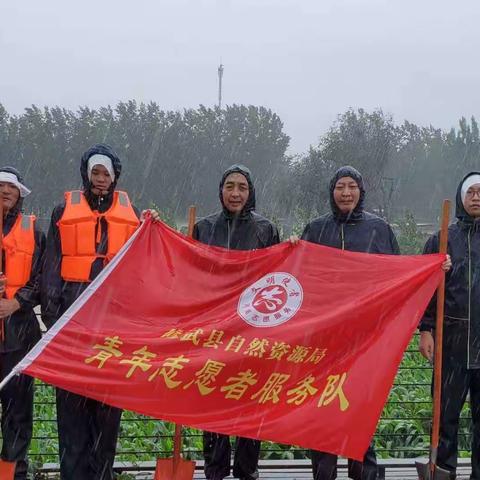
{"type": "Point", "coordinates": [21, 328]}
{"type": "Point", "coordinates": [57, 294]}
{"type": "Point", "coordinates": [245, 231]}
{"type": "Point", "coordinates": [462, 288]}
{"type": "Point", "coordinates": [358, 231]}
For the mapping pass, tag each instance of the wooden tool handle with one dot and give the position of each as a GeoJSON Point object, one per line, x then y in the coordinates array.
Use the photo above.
{"type": "Point", "coordinates": [192, 213]}
{"type": "Point", "coordinates": [437, 369]}
{"type": "Point", "coordinates": [177, 439]}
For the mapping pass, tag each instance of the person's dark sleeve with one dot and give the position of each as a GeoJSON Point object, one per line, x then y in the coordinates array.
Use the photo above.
{"type": "Point", "coordinates": [136, 211]}
{"type": "Point", "coordinates": [29, 295]}
{"type": "Point", "coordinates": [195, 233]}
{"type": "Point", "coordinates": [306, 233]}
{"type": "Point", "coordinates": [393, 242]}
{"type": "Point", "coordinates": [427, 324]}
{"type": "Point", "coordinates": [275, 237]}
{"type": "Point", "coordinates": [51, 279]}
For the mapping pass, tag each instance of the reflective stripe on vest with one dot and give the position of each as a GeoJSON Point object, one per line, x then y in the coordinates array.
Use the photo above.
{"type": "Point", "coordinates": [19, 246]}
{"type": "Point", "coordinates": [78, 227]}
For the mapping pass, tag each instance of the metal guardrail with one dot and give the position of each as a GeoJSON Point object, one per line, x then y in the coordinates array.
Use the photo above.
{"type": "Point", "coordinates": [403, 430]}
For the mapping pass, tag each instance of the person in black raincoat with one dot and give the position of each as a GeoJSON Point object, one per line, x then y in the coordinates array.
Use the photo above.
{"type": "Point", "coordinates": [87, 429]}
{"type": "Point", "coordinates": [237, 227]}
{"type": "Point", "coordinates": [349, 227]}
{"type": "Point", "coordinates": [19, 329]}
{"type": "Point", "coordinates": [461, 335]}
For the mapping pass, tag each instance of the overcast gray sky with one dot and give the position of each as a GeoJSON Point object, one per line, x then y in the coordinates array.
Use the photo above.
{"type": "Point", "coordinates": [308, 60]}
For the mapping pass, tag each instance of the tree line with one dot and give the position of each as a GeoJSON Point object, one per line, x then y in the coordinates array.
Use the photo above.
{"type": "Point", "coordinates": [175, 158]}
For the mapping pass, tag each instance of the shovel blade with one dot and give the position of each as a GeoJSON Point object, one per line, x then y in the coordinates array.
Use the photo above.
{"type": "Point", "coordinates": [170, 469]}
{"type": "Point", "coordinates": [424, 472]}
{"type": "Point", "coordinates": [7, 470]}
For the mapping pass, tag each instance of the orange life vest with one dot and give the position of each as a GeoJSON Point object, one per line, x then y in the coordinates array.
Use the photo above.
{"type": "Point", "coordinates": [19, 246]}
{"type": "Point", "coordinates": [80, 233]}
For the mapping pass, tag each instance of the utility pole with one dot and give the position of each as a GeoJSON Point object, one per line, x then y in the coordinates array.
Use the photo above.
{"type": "Point", "coordinates": [220, 75]}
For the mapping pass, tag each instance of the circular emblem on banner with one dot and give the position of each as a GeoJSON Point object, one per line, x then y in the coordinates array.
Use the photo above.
{"type": "Point", "coordinates": [270, 301]}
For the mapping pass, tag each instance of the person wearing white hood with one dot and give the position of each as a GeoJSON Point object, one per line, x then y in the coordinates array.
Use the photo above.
{"type": "Point", "coordinates": [86, 232]}
{"type": "Point", "coordinates": [461, 335]}
{"type": "Point", "coordinates": [23, 245]}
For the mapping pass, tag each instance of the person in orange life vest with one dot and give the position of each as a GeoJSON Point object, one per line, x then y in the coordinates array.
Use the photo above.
{"type": "Point", "coordinates": [23, 247]}
{"type": "Point", "coordinates": [86, 231]}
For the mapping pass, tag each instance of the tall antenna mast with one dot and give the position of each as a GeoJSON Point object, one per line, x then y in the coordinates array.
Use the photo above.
{"type": "Point", "coordinates": [220, 75]}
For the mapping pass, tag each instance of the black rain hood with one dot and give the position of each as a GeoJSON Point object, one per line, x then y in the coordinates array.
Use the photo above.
{"type": "Point", "coordinates": [102, 149]}
{"type": "Point", "coordinates": [460, 211]}
{"type": "Point", "coordinates": [19, 205]}
{"type": "Point", "coordinates": [250, 204]}
{"type": "Point", "coordinates": [95, 201]}
{"type": "Point", "coordinates": [357, 212]}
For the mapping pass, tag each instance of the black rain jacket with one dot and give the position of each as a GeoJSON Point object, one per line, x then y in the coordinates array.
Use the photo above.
{"type": "Point", "coordinates": [461, 341]}
{"type": "Point", "coordinates": [358, 231]}
{"type": "Point", "coordinates": [245, 231]}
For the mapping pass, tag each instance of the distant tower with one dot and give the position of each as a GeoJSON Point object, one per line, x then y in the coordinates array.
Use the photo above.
{"type": "Point", "coordinates": [220, 75]}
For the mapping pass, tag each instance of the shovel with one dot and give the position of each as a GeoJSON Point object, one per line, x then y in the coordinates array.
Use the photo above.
{"type": "Point", "coordinates": [424, 472]}
{"type": "Point", "coordinates": [7, 470]}
{"type": "Point", "coordinates": [177, 468]}
{"type": "Point", "coordinates": [430, 470]}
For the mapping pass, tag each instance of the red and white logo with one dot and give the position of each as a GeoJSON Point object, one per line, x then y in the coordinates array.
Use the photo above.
{"type": "Point", "coordinates": [270, 301]}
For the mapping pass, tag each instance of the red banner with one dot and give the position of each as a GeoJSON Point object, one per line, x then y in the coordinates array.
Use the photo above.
{"type": "Point", "coordinates": [294, 344]}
